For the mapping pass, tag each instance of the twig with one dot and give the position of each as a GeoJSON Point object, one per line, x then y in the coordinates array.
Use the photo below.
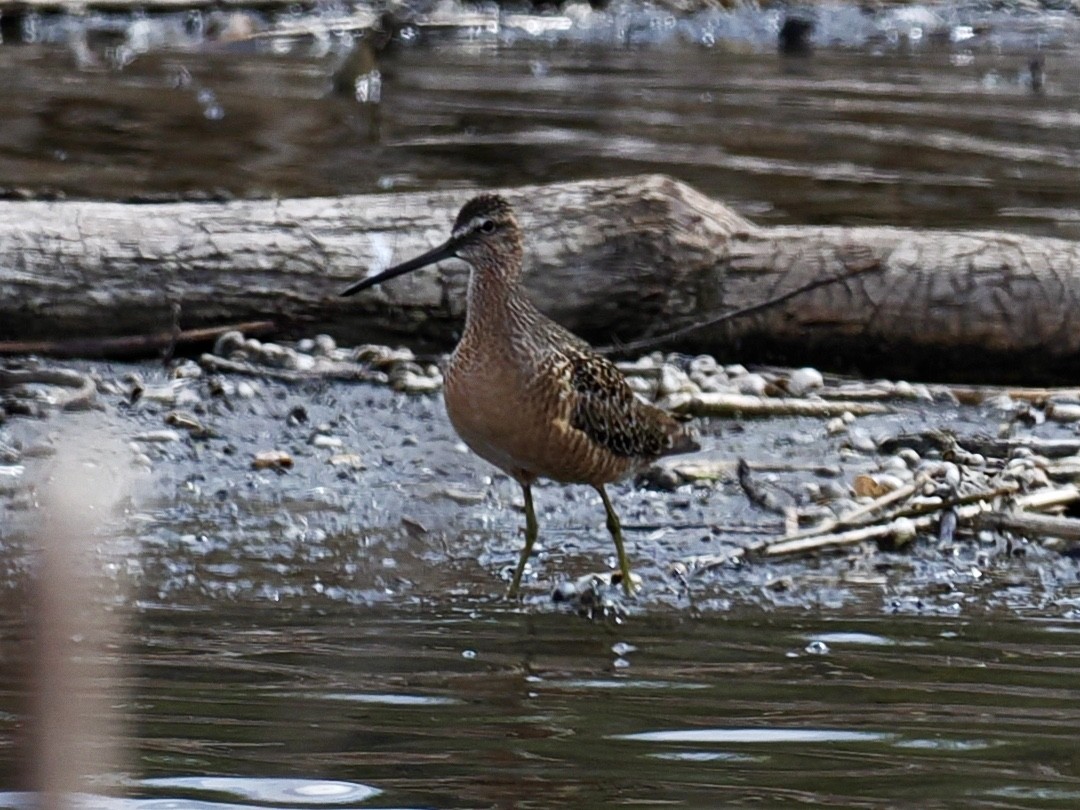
{"type": "Point", "coordinates": [850, 537]}
{"type": "Point", "coordinates": [1048, 498]}
{"type": "Point", "coordinates": [346, 372]}
{"type": "Point", "coordinates": [668, 337]}
{"type": "Point", "coordinates": [716, 403]}
{"type": "Point", "coordinates": [1023, 522]}
{"type": "Point", "coordinates": [855, 516]}
{"type": "Point", "coordinates": [966, 510]}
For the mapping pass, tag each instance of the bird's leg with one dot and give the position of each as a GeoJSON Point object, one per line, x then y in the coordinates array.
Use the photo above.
{"type": "Point", "coordinates": [616, 534]}
{"type": "Point", "coordinates": [531, 530]}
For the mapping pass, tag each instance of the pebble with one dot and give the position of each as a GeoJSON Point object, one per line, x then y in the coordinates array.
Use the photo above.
{"type": "Point", "coordinates": [272, 459]}
{"type": "Point", "coordinates": [411, 382]}
{"type": "Point", "coordinates": [326, 441]}
{"type": "Point", "coordinates": [753, 384]}
{"type": "Point", "coordinates": [804, 380]}
{"type": "Point", "coordinates": [675, 381]}
{"type": "Point", "coordinates": [704, 364]}
{"type": "Point", "coordinates": [228, 344]}
{"type": "Point", "coordinates": [246, 390]}
{"type": "Point", "coordinates": [273, 355]}
{"type": "Point", "coordinates": [349, 460]}
{"type": "Point", "coordinates": [835, 425]}
{"type": "Point", "coordinates": [382, 357]}
{"type": "Point", "coordinates": [325, 346]}
{"type": "Point", "coordinates": [875, 485]}
{"type": "Point", "coordinates": [466, 497]}
{"type": "Point", "coordinates": [302, 362]}
{"type": "Point", "coordinates": [894, 463]}
{"type": "Point", "coordinates": [186, 370]}
{"type": "Point", "coordinates": [1063, 411]}
{"type": "Point", "coordinates": [904, 530]}
{"type": "Point", "coordinates": [187, 421]}
{"type": "Point", "coordinates": [910, 456]}
{"type": "Point", "coordinates": [860, 440]}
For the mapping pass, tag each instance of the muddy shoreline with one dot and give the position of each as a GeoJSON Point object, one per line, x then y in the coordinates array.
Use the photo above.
{"type": "Point", "coordinates": [381, 503]}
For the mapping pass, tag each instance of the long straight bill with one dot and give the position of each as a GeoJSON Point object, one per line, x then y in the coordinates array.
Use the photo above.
{"type": "Point", "coordinates": [443, 251]}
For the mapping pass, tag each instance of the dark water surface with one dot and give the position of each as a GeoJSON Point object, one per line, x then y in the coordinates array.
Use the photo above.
{"type": "Point", "coordinates": [475, 706]}
{"type": "Point", "coordinates": [921, 117]}
{"type": "Point", "coordinates": [280, 648]}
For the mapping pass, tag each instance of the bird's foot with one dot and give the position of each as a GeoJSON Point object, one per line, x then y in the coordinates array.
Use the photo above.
{"type": "Point", "coordinates": [597, 595]}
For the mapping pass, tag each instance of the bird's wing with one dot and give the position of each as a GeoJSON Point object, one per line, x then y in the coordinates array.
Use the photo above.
{"type": "Point", "coordinates": [603, 406]}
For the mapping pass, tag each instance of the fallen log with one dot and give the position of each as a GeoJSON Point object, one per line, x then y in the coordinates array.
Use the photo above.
{"type": "Point", "coordinates": [610, 259]}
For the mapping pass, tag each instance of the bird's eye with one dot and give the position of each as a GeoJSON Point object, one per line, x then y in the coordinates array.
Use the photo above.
{"type": "Point", "coordinates": [487, 226]}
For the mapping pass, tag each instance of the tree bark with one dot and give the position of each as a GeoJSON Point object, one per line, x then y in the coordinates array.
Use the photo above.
{"type": "Point", "coordinates": [611, 259]}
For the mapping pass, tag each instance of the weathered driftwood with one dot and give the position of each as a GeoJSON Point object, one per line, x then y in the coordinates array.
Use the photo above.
{"type": "Point", "coordinates": [619, 258]}
{"type": "Point", "coordinates": [131, 345]}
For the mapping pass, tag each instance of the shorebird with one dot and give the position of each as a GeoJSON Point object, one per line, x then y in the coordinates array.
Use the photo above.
{"type": "Point", "coordinates": [526, 394]}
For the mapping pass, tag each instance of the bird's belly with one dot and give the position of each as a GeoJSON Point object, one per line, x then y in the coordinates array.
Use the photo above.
{"type": "Point", "coordinates": [524, 433]}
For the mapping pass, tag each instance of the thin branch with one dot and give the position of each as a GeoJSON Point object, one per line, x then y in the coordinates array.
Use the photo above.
{"type": "Point", "coordinates": [659, 340]}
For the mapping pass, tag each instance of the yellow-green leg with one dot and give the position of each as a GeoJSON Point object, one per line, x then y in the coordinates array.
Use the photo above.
{"type": "Point", "coordinates": [531, 530]}
{"type": "Point", "coordinates": [616, 534]}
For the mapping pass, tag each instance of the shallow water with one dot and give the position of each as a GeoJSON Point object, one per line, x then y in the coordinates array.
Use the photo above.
{"type": "Point", "coordinates": [478, 706]}
{"type": "Point", "coordinates": [338, 640]}
{"type": "Point", "coordinates": [924, 117]}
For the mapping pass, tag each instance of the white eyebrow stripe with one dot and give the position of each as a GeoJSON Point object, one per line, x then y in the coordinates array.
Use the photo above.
{"type": "Point", "coordinates": [472, 225]}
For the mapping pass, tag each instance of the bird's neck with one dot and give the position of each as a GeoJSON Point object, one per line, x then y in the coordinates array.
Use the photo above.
{"type": "Point", "coordinates": [496, 302]}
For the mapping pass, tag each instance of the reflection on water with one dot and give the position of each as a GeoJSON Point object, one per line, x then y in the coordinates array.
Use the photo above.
{"type": "Point", "coordinates": [381, 708]}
